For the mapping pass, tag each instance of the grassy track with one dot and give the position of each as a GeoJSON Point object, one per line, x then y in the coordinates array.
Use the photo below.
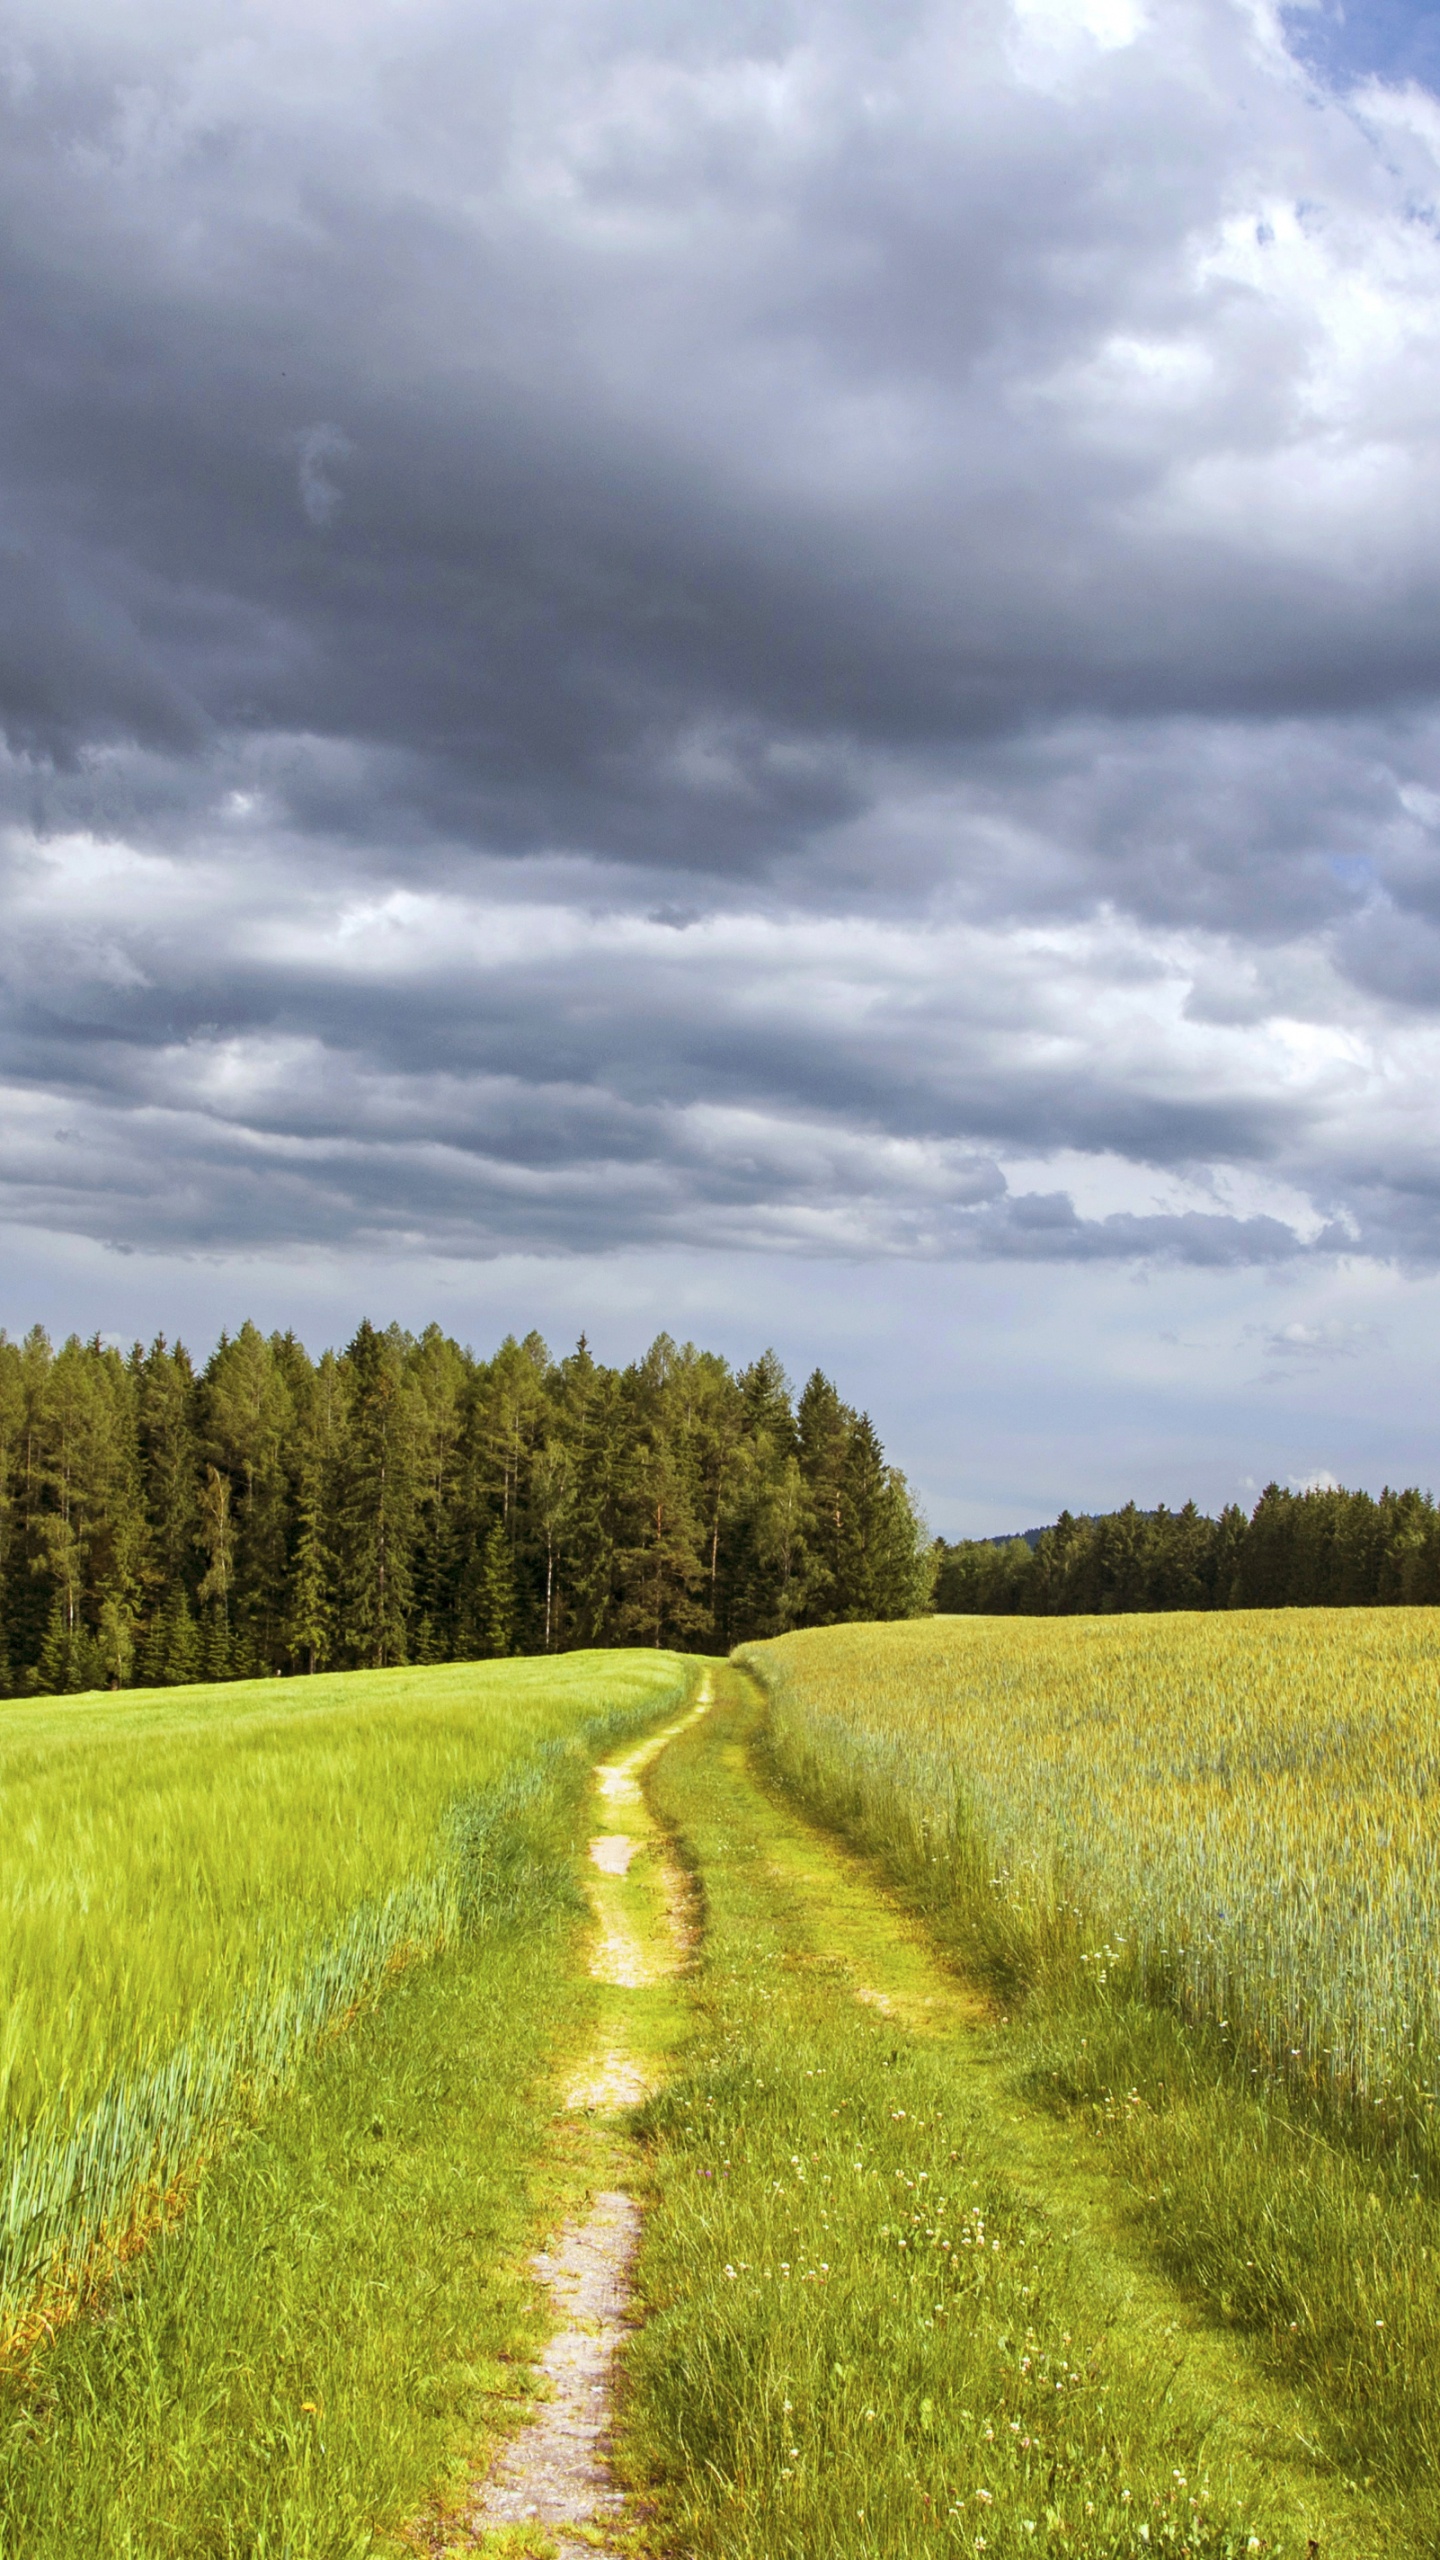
{"type": "Point", "coordinates": [1199, 1860]}
{"type": "Point", "coordinates": [892, 2309]}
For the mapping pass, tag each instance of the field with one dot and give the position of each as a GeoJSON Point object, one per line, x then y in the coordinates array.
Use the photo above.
{"type": "Point", "coordinates": [195, 1884]}
{"type": "Point", "coordinates": [1195, 1862]}
{"type": "Point", "coordinates": [1027, 2104]}
{"type": "Point", "coordinates": [1234, 1814]}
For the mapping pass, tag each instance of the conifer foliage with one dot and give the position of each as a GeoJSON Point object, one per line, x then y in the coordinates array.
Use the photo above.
{"type": "Point", "coordinates": [1322, 1549]}
{"type": "Point", "coordinates": [403, 1501]}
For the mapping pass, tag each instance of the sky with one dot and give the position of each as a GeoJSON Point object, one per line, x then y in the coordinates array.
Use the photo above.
{"type": "Point", "coordinates": [772, 672]}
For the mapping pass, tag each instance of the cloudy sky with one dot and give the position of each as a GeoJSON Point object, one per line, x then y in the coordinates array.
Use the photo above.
{"type": "Point", "coordinates": [772, 669]}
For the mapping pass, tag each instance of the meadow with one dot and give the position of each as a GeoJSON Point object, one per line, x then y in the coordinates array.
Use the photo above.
{"type": "Point", "coordinates": [196, 1886]}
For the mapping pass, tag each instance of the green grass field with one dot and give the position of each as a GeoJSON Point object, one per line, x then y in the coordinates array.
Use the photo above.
{"type": "Point", "coordinates": [894, 2307]}
{"type": "Point", "coordinates": [985, 2210]}
{"type": "Point", "coordinates": [196, 1884]}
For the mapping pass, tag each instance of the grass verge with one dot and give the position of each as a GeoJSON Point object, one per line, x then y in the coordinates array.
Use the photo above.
{"type": "Point", "coordinates": [1310, 2231]}
{"type": "Point", "coordinates": [1328, 2261]}
{"type": "Point", "coordinates": [881, 2318]}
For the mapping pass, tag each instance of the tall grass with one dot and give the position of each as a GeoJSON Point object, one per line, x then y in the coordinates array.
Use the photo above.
{"type": "Point", "coordinates": [195, 1886]}
{"type": "Point", "coordinates": [1196, 1859]}
{"type": "Point", "coordinates": [291, 2371]}
{"type": "Point", "coordinates": [1236, 1817]}
{"type": "Point", "coordinates": [870, 2330]}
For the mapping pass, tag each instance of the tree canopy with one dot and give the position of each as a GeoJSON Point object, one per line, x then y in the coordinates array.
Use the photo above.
{"type": "Point", "coordinates": [1322, 1549]}
{"type": "Point", "coordinates": [404, 1501]}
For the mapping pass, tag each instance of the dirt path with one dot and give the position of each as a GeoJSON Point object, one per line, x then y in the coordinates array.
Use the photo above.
{"type": "Point", "coordinates": [554, 2475]}
{"type": "Point", "coordinates": [551, 2487]}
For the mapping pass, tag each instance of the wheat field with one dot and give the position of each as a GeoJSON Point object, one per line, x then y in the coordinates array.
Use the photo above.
{"type": "Point", "coordinates": [1235, 1813]}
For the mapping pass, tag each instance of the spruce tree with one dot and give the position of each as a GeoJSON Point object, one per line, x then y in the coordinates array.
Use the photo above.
{"type": "Point", "coordinates": [247, 1408]}
{"type": "Point", "coordinates": [116, 1643]}
{"type": "Point", "coordinates": [172, 1649]}
{"type": "Point", "coordinates": [217, 1538]}
{"type": "Point", "coordinates": [495, 1609]}
{"type": "Point", "coordinates": [883, 1559]}
{"type": "Point", "coordinates": [378, 1500]}
{"type": "Point", "coordinates": [823, 1428]}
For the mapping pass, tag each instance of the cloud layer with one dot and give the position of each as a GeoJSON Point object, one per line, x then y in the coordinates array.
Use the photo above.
{"type": "Point", "coordinates": [813, 630]}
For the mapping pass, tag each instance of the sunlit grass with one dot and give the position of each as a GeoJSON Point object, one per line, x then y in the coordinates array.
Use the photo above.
{"type": "Point", "coordinates": [1197, 1861]}
{"type": "Point", "coordinates": [195, 1885]}
{"type": "Point", "coordinates": [1237, 1814]}
{"type": "Point", "coordinates": [883, 2315]}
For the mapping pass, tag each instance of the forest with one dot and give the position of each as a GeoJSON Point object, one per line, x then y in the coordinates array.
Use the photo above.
{"type": "Point", "coordinates": [403, 1501]}
{"type": "Point", "coordinates": [1322, 1549]}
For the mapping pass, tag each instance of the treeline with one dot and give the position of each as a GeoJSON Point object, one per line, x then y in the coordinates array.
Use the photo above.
{"type": "Point", "coordinates": [1325, 1550]}
{"type": "Point", "coordinates": [403, 1501]}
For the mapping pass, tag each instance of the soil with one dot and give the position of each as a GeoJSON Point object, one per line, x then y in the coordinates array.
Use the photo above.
{"type": "Point", "coordinates": [555, 2475]}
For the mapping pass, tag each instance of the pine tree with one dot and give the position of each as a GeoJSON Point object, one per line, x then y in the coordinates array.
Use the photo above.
{"type": "Point", "coordinates": [441, 1380]}
{"type": "Point", "coordinates": [378, 1500]}
{"type": "Point", "coordinates": [54, 1665]}
{"type": "Point", "coordinates": [166, 1399]}
{"type": "Point", "coordinates": [172, 1649]}
{"type": "Point", "coordinates": [217, 1537]}
{"type": "Point", "coordinates": [595, 1414]}
{"type": "Point", "coordinates": [495, 1611]}
{"type": "Point", "coordinates": [763, 1563]}
{"type": "Point", "coordinates": [247, 1405]}
{"type": "Point", "coordinates": [216, 1649]}
{"type": "Point", "coordinates": [658, 1566]}
{"type": "Point", "coordinates": [116, 1643]}
{"type": "Point", "coordinates": [310, 1620]}
{"type": "Point", "coordinates": [823, 1428]}
{"type": "Point", "coordinates": [552, 1495]}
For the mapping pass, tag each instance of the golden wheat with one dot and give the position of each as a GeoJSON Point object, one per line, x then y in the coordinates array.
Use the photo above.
{"type": "Point", "coordinates": [1238, 1812]}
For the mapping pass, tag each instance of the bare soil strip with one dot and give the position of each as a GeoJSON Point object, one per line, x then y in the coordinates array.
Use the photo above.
{"type": "Point", "coordinates": [554, 2476]}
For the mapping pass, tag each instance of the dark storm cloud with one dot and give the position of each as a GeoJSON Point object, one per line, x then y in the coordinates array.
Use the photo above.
{"type": "Point", "coordinates": [815, 629]}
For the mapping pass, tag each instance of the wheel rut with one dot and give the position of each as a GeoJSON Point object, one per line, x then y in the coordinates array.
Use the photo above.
{"type": "Point", "coordinates": [552, 2487]}
{"type": "Point", "coordinates": [554, 2477]}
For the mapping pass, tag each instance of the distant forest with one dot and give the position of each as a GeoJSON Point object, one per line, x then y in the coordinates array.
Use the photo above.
{"type": "Point", "coordinates": [1333, 1550]}
{"type": "Point", "coordinates": [403, 1501]}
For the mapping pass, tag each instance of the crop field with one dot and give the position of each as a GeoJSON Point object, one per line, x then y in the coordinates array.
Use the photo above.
{"type": "Point", "coordinates": [1009, 2045]}
{"type": "Point", "coordinates": [1239, 1814]}
{"type": "Point", "coordinates": [1194, 1860]}
{"type": "Point", "coordinates": [195, 1884]}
